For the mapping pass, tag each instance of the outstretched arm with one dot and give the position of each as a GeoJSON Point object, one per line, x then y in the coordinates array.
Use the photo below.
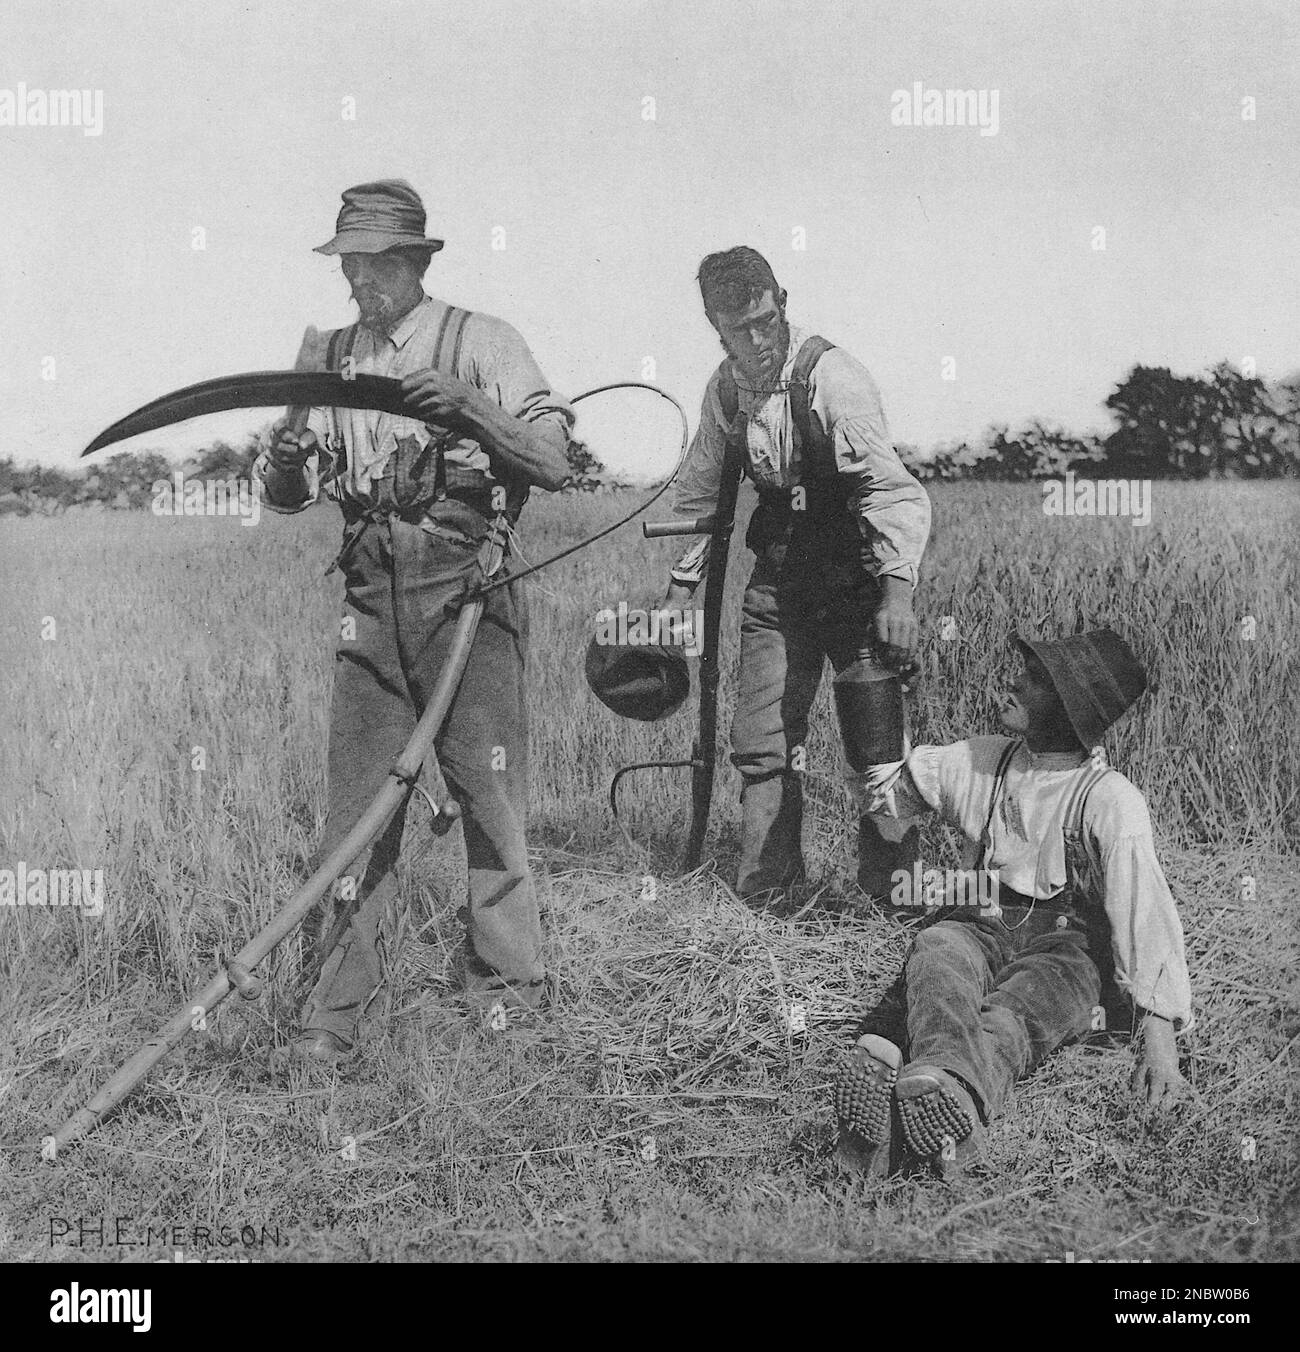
{"type": "Point", "coordinates": [889, 794]}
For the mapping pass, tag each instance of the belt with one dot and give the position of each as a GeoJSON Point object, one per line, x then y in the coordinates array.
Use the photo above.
{"type": "Point", "coordinates": [1015, 909]}
{"type": "Point", "coordinates": [825, 497]}
{"type": "Point", "coordinates": [478, 496]}
{"type": "Point", "coordinates": [356, 517]}
{"type": "Point", "coordinates": [824, 528]}
{"type": "Point", "coordinates": [1010, 899]}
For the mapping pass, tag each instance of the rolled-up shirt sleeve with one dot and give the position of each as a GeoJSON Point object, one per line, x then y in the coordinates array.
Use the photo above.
{"type": "Point", "coordinates": [700, 481]}
{"type": "Point", "coordinates": [892, 506]}
{"type": "Point", "coordinates": [504, 368]}
{"type": "Point", "coordinates": [1146, 931]}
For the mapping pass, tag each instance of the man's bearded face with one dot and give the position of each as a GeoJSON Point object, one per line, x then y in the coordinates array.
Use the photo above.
{"type": "Point", "coordinates": [756, 337]}
{"type": "Point", "coordinates": [384, 285]}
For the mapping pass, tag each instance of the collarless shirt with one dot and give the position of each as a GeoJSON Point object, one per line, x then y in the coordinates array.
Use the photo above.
{"type": "Point", "coordinates": [358, 446]}
{"type": "Point", "coordinates": [892, 507]}
{"type": "Point", "coordinates": [1027, 849]}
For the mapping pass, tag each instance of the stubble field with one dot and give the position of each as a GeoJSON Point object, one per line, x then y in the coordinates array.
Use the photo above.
{"type": "Point", "coordinates": [663, 1107]}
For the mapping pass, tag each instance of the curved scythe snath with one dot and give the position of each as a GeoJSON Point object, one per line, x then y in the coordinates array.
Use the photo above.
{"type": "Point", "coordinates": [302, 390]}
{"type": "Point", "coordinates": [236, 973]}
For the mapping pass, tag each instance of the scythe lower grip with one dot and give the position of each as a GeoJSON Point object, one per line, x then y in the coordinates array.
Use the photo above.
{"type": "Point", "coordinates": [310, 358]}
{"type": "Point", "coordinates": [699, 525]}
{"type": "Point", "coordinates": [405, 770]}
{"type": "Point", "coordinates": [248, 985]}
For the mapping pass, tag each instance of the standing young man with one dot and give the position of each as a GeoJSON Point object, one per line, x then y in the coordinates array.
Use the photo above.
{"type": "Point", "coordinates": [417, 496]}
{"type": "Point", "coordinates": [839, 533]}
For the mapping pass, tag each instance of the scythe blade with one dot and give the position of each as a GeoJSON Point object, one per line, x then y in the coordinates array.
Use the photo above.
{"type": "Point", "coordinates": [258, 389]}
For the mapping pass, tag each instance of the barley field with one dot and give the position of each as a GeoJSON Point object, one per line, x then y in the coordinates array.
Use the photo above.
{"type": "Point", "coordinates": [662, 1107]}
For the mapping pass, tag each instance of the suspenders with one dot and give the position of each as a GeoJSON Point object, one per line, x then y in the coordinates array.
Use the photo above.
{"type": "Point", "coordinates": [453, 323]}
{"type": "Point", "coordinates": [335, 354]}
{"type": "Point", "coordinates": [451, 337]}
{"type": "Point", "coordinates": [818, 451]}
{"type": "Point", "coordinates": [999, 780]}
{"type": "Point", "coordinates": [1076, 855]}
{"type": "Point", "coordinates": [342, 341]}
{"type": "Point", "coordinates": [451, 334]}
{"type": "Point", "coordinates": [1071, 817]}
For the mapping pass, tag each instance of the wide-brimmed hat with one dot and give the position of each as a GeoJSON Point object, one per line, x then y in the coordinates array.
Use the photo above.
{"type": "Point", "coordinates": [1096, 675]}
{"type": "Point", "coordinates": [386, 214]}
{"type": "Point", "coordinates": [645, 681]}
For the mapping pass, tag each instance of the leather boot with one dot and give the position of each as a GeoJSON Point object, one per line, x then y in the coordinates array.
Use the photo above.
{"type": "Point", "coordinates": [771, 855]}
{"type": "Point", "coordinates": [879, 859]}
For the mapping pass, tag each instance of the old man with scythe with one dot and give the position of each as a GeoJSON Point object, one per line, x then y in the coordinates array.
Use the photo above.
{"type": "Point", "coordinates": [418, 495]}
{"type": "Point", "coordinates": [428, 425]}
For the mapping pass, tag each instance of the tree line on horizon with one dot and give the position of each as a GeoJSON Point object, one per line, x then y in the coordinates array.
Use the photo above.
{"type": "Point", "coordinates": [1221, 425]}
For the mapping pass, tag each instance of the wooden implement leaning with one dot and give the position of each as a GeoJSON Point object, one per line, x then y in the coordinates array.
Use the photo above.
{"type": "Point", "coordinates": [704, 753]}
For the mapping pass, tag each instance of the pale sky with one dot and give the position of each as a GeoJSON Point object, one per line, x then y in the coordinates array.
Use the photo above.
{"type": "Point", "coordinates": [770, 117]}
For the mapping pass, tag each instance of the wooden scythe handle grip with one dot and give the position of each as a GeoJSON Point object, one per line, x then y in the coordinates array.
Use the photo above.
{"type": "Point", "coordinates": [700, 525]}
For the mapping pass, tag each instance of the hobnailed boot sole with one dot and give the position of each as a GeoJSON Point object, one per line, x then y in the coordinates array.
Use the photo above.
{"type": "Point", "coordinates": [939, 1121]}
{"type": "Point", "coordinates": [864, 1104]}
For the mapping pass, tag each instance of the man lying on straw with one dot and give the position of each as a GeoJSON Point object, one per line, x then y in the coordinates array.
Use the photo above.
{"type": "Point", "coordinates": [1074, 903]}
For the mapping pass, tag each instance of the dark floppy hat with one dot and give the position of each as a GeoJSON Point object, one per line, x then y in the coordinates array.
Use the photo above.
{"type": "Point", "coordinates": [386, 214]}
{"type": "Point", "coordinates": [645, 681]}
{"type": "Point", "coordinates": [1096, 676]}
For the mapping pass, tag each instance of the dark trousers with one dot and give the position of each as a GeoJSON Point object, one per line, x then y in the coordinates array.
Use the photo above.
{"type": "Point", "coordinates": [796, 616]}
{"type": "Point", "coordinates": [399, 579]}
{"type": "Point", "coordinates": [987, 1002]}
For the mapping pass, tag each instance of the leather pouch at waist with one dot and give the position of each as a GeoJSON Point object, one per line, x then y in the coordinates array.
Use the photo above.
{"type": "Point", "coordinates": [824, 535]}
{"type": "Point", "coordinates": [475, 494]}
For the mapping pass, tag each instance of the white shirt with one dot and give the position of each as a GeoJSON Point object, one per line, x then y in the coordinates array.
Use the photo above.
{"type": "Point", "coordinates": [1027, 847]}
{"type": "Point", "coordinates": [892, 507]}
{"type": "Point", "coordinates": [493, 358]}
